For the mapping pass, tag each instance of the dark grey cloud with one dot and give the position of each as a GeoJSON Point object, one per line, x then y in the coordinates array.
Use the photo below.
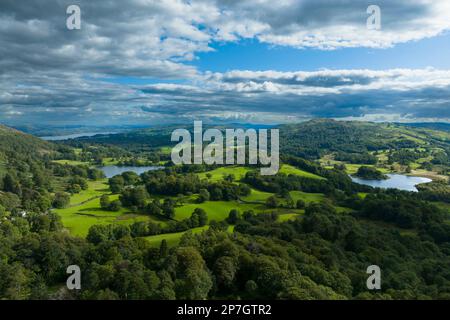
{"type": "Point", "coordinates": [242, 96]}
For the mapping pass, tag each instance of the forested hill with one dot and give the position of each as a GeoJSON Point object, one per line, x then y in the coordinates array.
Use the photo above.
{"type": "Point", "coordinates": [312, 139]}
{"type": "Point", "coordinates": [14, 142]}
{"type": "Point", "coordinates": [315, 138]}
{"type": "Point", "coordinates": [441, 126]}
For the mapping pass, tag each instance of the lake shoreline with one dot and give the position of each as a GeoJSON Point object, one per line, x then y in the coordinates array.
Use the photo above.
{"type": "Point", "coordinates": [394, 181]}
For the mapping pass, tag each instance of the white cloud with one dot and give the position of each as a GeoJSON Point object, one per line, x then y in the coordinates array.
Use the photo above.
{"type": "Point", "coordinates": [43, 66]}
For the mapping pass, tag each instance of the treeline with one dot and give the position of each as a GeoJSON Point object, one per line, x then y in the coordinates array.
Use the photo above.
{"type": "Point", "coordinates": [361, 158]}
{"type": "Point", "coordinates": [405, 157]}
{"type": "Point", "coordinates": [169, 182]}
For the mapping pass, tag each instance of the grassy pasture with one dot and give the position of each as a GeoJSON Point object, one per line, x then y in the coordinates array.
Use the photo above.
{"type": "Point", "coordinates": [78, 219]}
{"type": "Point", "coordinates": [288, 217]}
{"type": "Point", "coordinates": [95, 189]}
{"type": "Point", "coordinates": [216, 210]}
{"type": "Point", "coordinates": [240, 171]}
{"type": "Point", "coordinates": [257, 196]}
{"type": "Point", "coordinates": [307, 197]}
{"type": "Point", "coordinates": [288, 169]}
{"type": "Point", "coordinates": [174, 238]}
{"type": "Point", "coordinates": [218, 174]}
{"type": "Point", "coordinates": [71, 162]}
{"type": "Point", "coordinates": [171, 238]}
{"type": "Point", "coordinates": [84, 211]}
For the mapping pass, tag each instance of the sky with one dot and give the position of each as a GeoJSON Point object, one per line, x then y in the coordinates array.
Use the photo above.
{"type": "Point", "coordinates": [253, 61]}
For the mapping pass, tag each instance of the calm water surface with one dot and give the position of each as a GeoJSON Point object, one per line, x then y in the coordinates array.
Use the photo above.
{"type": "Point", "coordinates": [396, 181]}
{"type": "Point", "coordinates": [74, 136]}
{"type": "Point", "coordinates": [111, 171]}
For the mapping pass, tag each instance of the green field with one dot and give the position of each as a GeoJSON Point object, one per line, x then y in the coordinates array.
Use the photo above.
{"type": "Point", "coordinates": [239, 172]}
{"type": "Point", "coordinates": [95, 189]}
{"type": "Point", "coordinates": [288, 169]}
{"type": "Point", "coordinates": [257, 196]}
{"type": "Point", "coordinates": [218, 174]}
{"type": "Point", "coordinates": [171, 238]}
{"type": "Point", "coordinates": [109, 161]}
{"type": "Point", "coordinates": [84, 211]}
{"type": "Point", "coordinates": [216, 210]}
{"type": "Point", "coordinates": [174, 238]}
{"type": "Point", "coordinates": [288, 217]}
{"type": "Point", "coordinates": [307, 197]}
{"type": "Point", "coordinates": [71, 162]}
{"type": "Point", "coordinates": [78, 219]}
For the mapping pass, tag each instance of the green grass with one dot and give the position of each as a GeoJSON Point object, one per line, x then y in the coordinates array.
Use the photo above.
{"type": "Point", "coordinates": [110, 161]}
{"type": "Point", "coordinates": [288, 169]}
{"type": "Point", "coordinates": [84, 211]}
{"type": "Point", "coordinates": [79, 219]}
{"type": "Point", "coordinates": [307, 197]}
{"type": "Point", "coordinates": [218, 174]}
{"type": "Point", "coordinates": [257, 196]}
{"type": "Point", "coordinates": [240, 171]}
{"type": "Point", "coordinates": [328, 162]}
{"type": "Point", "coordinates": [71, 162]}
{"type": "Point", "coordinates": [174, 238]}
{"type": "Point", "coordinates": [165, 150]}
{"type": "Point", "coordinates": [216, 210]}
{"type": "Point", "coordinates": [288, 217]}
{"type": "Point", "coordinates": [171, 238]}
{"type": "Point", "coordinates": [95, 189]}
{"type": "Point", "coordinates": [343, 210]}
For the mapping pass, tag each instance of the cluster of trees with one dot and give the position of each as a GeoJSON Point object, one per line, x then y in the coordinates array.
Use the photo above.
{"type": "Point", "coordinates": [405, 157]}
{"type": "Point", "coordinates": [135, 190]}
{"type": "Point", "coordinates": [82, 171]}
{"type": "Point", "coordinates": [158, 208]}
{"type": "Point", "coordinates": [370, 173]}
{"type": "Point", "coordinates": [434, 191]}
{"type": "Point", "coordinates": [362, 158]}
{"type": "Point", "coordinates": [107, 204]}
{"type": "Point", "coordinates": [198, 218]}
{"type": "Point", "coordinates": [331, 249]}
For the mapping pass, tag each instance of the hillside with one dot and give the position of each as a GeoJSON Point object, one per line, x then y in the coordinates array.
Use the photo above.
{"type": "Point", "coordinates": [309, 231]}
{"type": "Point", "coordinates": [17, 142]}
{"type": "Point", "coordinates": [315, 138]}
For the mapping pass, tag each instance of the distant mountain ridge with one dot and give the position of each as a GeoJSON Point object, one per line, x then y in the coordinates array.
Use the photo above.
{"type": "Point", "coordinates": [442, 126]}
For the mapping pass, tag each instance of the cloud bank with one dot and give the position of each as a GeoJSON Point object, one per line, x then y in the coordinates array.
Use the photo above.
{"type": "Point", "coordinates": [50, 74]}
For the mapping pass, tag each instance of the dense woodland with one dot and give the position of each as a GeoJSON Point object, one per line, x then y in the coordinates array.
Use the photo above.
{"type": "Point", "coordinates": [321, 255]}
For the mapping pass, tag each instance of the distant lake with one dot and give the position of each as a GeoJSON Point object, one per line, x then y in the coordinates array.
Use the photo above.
{"type": "Point", "coordinates": [396, 181]}
{"type": "Point", "coordinates": [111, 171]}
{"type": "Point", "coordinates": [74, 136]}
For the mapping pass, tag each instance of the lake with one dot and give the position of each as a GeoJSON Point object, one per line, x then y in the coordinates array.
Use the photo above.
{"type": "Point", "coordinates": [396, 181]}
{"type": "Point", "coordinates": [111, 171]}
{"type": "Point", "coordinates": [73, 136]}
